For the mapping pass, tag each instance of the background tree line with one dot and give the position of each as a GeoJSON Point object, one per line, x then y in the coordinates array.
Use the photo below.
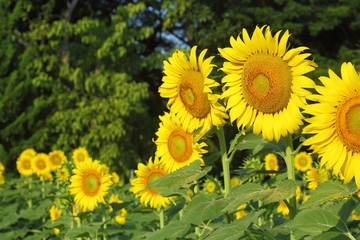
{"type": "Point", "coordinates": [86, 73]}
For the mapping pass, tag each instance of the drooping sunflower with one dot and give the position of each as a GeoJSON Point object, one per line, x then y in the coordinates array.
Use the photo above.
{"type": "Point", "coordinates": [187, 85]}
{"type": "Point", "coordinates": [303, 161]}
{"type": "Point", "coordinates": [264, 83]}
{"type": "Point", "coordinates": [79, 155]}
{"type": "Point", "coordinates": [41, 165]}
{"type": "Point", "coordinates": [271, 163]}
{"type": "Point", "coordinates": [89, 184]}
{"type": "Point", "coordinates": [57, 158]}
{"type": "Point", "coordinates": [145, 174]}
{"type": "Point", "coordinates": [175, 146]}
{"type": "Point", "coordinates": [336, 123]}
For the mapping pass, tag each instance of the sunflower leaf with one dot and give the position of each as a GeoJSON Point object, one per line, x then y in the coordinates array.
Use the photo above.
{"type": "Point", "coordinates": [180, 178]}
{"type": "Point", "coordinates": [236, 229]}
{"type": "Point", "coordinates": [315, 221]}
{"type": "Point", "coordinates": [170, 231]}
{"type": "Point", "coordinates": [329, 191]}
{"type": "Point", "coordinates": [204, 207]}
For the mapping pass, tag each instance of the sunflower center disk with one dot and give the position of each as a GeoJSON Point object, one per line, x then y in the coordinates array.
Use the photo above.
{"type": "Point", "coordinates": [303, 162]}
{"type": "Point", "coordinates": [91, 184]}
{"type": "Point", "coordinates": [348, 123]}
{"type": "Point", "coordinates": [267, 81]}
{"type": "Point", "coordinates": [56, 160]}
{"type": "Point", "coordinates": [191, 91]}
{"type": "Point", "coordinates": [154, 176]}
{"type": "Point", "coordinates": [41, 164]}
{"type": "Point", "coordinates": [26, 164]}
{"type": "Point", "coordinates": [179, 144]}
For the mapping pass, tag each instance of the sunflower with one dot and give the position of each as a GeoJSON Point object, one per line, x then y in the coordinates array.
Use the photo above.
{"type": "Point", "coordinates": [63, 174]}
{"type": "Point", "coordinates": [315, 176]}
{"type": "Point", "coordinates": [240, 213]}
{"type": "Point", "coordinates": [89, 184]}
{"type": "Point", "coordinates": [271, 163]}
{"type": "Point", "coordinates": [210, 186]}
{"type": "Point", "coordinates": [283, 208]}
{"type": "Point", "coordinates": [120, 218]}
{"type": "Point", "coordinates": [79, 155]}
{"type": "Point", "coordinates": [235, 181]}
{"type": "Point", "coordinates": [264, 83]}
{"type": "Point", "coordinates": [188, 88]}
{"type": "Point", "coordinates": [145, 174]}
{"type": "Point", "coordinates": [114, 198]}
{"type": "Point", "coordinates": [335, 123]}
{"type": "Point", "coordinates": [175, 146]}
{"type": "Point", "coordinates": [24, 165]}
{"type": "Point", "coordinates": [2, 168]}
{"type": "Point", "coordinates": [30, 152]}
{"type": "Point", "coordinates": [303, 161]}
{"type": "Point", "coordinates": [2, 179]}
{"type": "Point", "coordinates": [57, 158]}
{"type": "Point", "coordinates": [41, 165]}
{"type": "Point", "coordinates": [55, 213]}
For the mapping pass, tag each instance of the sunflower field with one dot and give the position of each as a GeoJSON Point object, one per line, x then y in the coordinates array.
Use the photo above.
{"type": "Point", "coordinates": [118, 125]}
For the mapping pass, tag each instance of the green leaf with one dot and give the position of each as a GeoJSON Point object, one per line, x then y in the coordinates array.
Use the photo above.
{"type": "Point", "coordinates": [236, 229]}
{"type": "Point", "coordinates": [331, 235]}
{"type": "Point", "coordinates": [329, 191]}
{"type": "Point", "coordinates": [63, 221]}
{"type": "Point", "coordinates": [9, 219]}
{"type": "Point", "coordinates": [180, 178]}
{"type": "Point", "coordinates": [170, 231]}
{"type": "Point", "coordinates": [250, 141]}
{"type": "Point", "coordinates": [253, 191]}
{"type": "Point", "coordinates": [204, 207]}
{"type": "Point", "coordinates": [314, 221]}
{"type": "Point", "coordinates": [82, 231]}
{"type": "Point", "coordinates": [242, 194]}
{"type": "Point", "coordinates": [284, 190]}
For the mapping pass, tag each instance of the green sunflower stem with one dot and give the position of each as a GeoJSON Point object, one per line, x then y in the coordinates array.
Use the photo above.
{"type": "Point", "coordinates": [225, 160]}
{"type": "Point", "coordinates": [161, 217]}
{"type": "Point", "coordinates": [289, 159]}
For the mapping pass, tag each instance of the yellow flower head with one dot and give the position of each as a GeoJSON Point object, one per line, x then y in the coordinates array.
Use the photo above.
{"type": "Point", "coordinates": [264, 83]}
{"type": "Point", "coordinates": [175, 146]}
{"type": "Point", "coordinates": [271, 163]}
{"type": "Point", "coordinates": [303, 161]}
{"type": "Point", "coordinates": [2, 179]}
{"type": "Point", "coordinates": [210, 186]}
{"type": "Point", "coordinates": [145, 174]}
{"type": "Point", "coordinates": [29, 152]}
{"type": "Point", "coordinates": [89, 184]}
{"type": "Point", "coordinates": [234, 181]}
{"type": "Point", "coordinates": [315, 176]}
{"type": "Point", "coordinates": [57, 158]}
{"type": "Point", "coordinates": [335, 123]}
{"type": "Point", "coordinates": [188, 88]}
{"type": "Point", "coordinates": [115, 177]}
{"type": "Point", "coordinates": [120, 218]}
{"type": "Point", "coordinates": [2, 168]}
{"type": "Point", "coordinates": [283, 209]}
{"type": "Point", "coordinates": [55, 213]}
{"type": "Point", "coordinates": [24, 165]}
{"type": "Point", "coordinates": [41, 165]}
{"type": "Point", "coordinates": [79, 155]}
{"type": "Point", "coordinates": [63, 174]}
{"type": "Point", "coordinates": [114, 198]}
{"type": "Point", "coordinates": [241, 213]}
